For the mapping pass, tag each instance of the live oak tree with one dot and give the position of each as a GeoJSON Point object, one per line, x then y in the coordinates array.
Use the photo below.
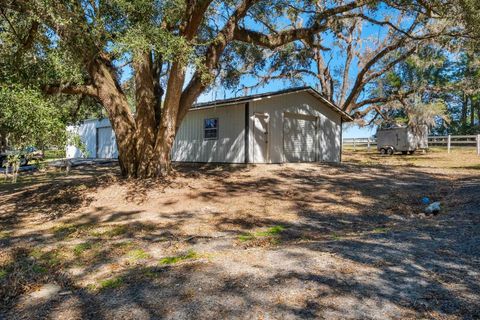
{"type": "Point", "coordinates": [173, 50]}
{"type": "Point", "coordinates": [350, 64]}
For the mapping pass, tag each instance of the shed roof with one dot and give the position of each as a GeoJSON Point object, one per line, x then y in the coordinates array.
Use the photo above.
{"type": "Point", "coordinates": [233, 101]}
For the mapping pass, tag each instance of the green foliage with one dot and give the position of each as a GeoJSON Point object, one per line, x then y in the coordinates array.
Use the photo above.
{"type": "Point", "coordinates": [74, 139]}
{"type": "Point", "coordinates": [393, 80]}
{"type": "Point", "coordinates": [471, 15]}
{"type": "Point", "coordinates": [435, 80]}
{"type": "Point", "coordinates": [28, 119]}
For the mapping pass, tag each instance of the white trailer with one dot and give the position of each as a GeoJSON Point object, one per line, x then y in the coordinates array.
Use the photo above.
{"type": "Point", "coordinates": [401, 139]}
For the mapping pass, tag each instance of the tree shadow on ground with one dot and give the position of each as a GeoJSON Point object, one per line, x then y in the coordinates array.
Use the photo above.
{"type": "Point", "coordinates": [356, 248]}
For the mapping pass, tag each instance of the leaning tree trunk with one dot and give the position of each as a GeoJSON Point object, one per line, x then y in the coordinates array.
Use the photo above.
{"type": "Point", "coordinates": [144, 147]}
{"type": "Point", "coordinates": [121, 119]}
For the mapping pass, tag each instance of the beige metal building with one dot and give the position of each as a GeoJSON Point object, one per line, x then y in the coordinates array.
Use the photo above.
{"type": "Point", "coordinates": [293, 125]}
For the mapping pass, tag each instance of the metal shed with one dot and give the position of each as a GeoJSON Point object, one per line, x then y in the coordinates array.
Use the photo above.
{"type": "Point", "coordinates": [293, 125]}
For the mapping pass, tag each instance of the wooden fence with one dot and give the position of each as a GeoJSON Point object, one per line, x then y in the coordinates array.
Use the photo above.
{"type": "Point", "coordinates": [447, 141]}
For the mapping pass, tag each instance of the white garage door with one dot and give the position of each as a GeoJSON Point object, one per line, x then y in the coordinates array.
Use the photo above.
{"type": "Point", "coordinates": [106, 145]}
{"type": "Point", "coordinates": [299, 132]}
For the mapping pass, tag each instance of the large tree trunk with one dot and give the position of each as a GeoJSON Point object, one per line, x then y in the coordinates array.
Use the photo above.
{"type": "Point", "coordinates": [144, 145]}
{"type": "Point", "coordinates": [146, 124]}
{"type": "Point", "coordinates": [121, 119]}
{"type": "Point", "coordinates": [167, 130]}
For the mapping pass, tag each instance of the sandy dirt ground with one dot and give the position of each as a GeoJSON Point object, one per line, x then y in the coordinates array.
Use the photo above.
{"type": "Point", "coordinates": [308, 241]}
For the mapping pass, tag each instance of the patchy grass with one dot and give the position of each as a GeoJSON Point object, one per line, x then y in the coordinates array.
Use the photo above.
{"type": "Point", "coordinates": [176, 259]}
{"type": "Point", "coordinates": [437, 157]}
{"type": "Point", "coordinates": [273, 231]}
{"type": "Point", "coordinates": [246, 237]}
{"type": "Point", "coordinates": [270, 232]}
{"type": "Point", "coordinates": [21, 270]}
{"type": "Point", "coordinates": [381, 230]}
{"type": "Point", "coordinates": [64, 230]}
{"type": "Point", "coordinates": [111, 283]}
{"type": "Point", "coordinates": [124, 245]}
{"type": "Point", "coordinates": [138, 254]}
{"type": "Point", "coordinates": [110, 231]}
{"type": "Point", "coordinates": [50, 259]}
{"type": "Point", "coordinates": [80, 248]}
{"type": "Point", "coordinates": [115, 231]}
{"type": "Point", "coordinates": [4, 235]}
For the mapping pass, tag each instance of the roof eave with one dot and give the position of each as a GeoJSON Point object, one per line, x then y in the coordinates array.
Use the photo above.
{"type": "Point", "coordinates": [236, 101]}
{"type": "Point", "coordinates": [345, 116]}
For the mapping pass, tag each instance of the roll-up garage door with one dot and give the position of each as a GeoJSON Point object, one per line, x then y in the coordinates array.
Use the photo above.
{"type": "Point", "coordinates": [299, 132]}
{"type": "Point", "coordinates": [106, 144]}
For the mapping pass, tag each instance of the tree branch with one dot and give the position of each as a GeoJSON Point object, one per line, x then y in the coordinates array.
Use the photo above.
{"type": "Point", "coordinates": [359, 82]}
{"type": "Point", "coordinates": [15, 33]}
{"type": "Point", "coordinates": [280, 38]}
{"type": "Point", "coordinates": [88, 90]}
{"type": "Point", "coordinates": [212, 56]}
{"type": "Point", "coordinates": [392, 97]}
{"type": "Point", "coordinates": [391, 65]}
{"type": "Point", "coordinates": [194, 17]}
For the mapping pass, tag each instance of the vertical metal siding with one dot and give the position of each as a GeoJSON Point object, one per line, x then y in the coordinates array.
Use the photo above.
{"type": "Point", "coordinates": [328, 129]}
{"type": "Point", "coordinates": [88, 134]}
{"type": "Point", "coordinates": [190, 145]}
{"type": "Point", "coordinates": [299, 138]}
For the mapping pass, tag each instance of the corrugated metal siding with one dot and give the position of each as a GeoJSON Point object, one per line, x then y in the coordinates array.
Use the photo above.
{"type": "Point", "coordinates": [299, 139]}
{"type": "Point", "coordinates": [88, 134]}
{"type": "Point", "coordinates": [106, 143]}
{"type": "Point", "coordinates": [328, 124]}
{"type": "Point", "coordinates": [190, 145]}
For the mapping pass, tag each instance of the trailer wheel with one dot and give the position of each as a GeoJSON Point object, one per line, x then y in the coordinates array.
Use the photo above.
{"type": "Point", "coordinates": [383, 151]}
{"type": "Point", "coordinates": [390, 151]}
{"type": "Point", "coordinates": [411, 152]}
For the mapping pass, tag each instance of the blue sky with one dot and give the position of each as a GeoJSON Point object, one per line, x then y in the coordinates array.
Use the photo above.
{"type": "Point", "coordinates": [337, 57]}
{"type": "Point", "coordinates": [369, 34]}
{"type": "Point", "coordinates": [354, 131]}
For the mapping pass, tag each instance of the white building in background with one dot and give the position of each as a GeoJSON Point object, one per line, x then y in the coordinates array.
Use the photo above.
{"type": "Point", "coordinates": [293, 125]}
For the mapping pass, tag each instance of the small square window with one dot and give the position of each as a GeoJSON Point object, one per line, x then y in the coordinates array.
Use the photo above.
{"type": "Point", "coordinates": [210, 129]}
